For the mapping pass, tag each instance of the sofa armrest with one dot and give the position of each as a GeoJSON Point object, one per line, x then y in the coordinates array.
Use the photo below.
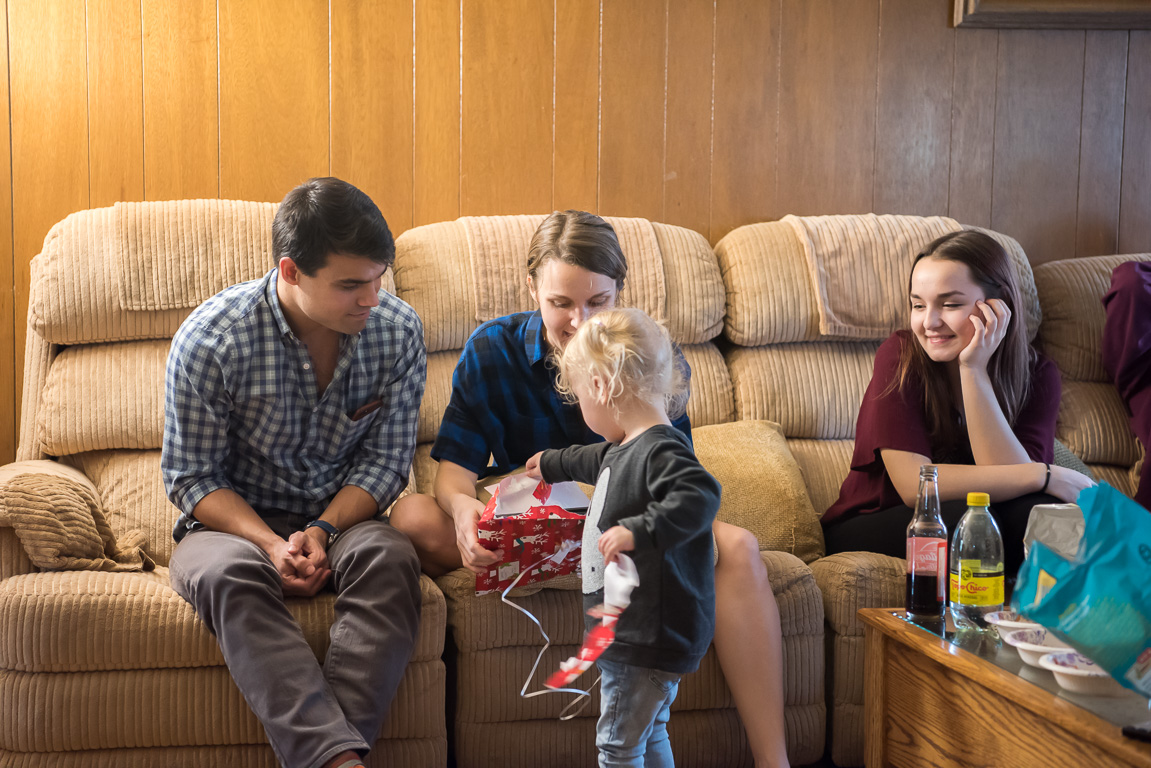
{"type": "Point", "coordinates": [13, 558]}
{"type": "Point", "coordinates": [849, 581]}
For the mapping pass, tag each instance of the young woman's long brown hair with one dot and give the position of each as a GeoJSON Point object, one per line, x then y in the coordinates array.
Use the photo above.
{"type": "Point", "coordinates": [1010, 366]}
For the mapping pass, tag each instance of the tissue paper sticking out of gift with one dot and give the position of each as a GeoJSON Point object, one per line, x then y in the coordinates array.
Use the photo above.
{"type": "Point", "coordinates": [530, 520]}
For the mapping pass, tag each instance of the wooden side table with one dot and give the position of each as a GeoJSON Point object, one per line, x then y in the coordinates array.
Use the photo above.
{"type": "Point", "coordinates": [931, 703]}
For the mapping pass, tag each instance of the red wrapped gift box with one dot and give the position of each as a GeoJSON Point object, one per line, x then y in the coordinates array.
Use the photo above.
{"type": "Point", "coordinates": [524, 521]}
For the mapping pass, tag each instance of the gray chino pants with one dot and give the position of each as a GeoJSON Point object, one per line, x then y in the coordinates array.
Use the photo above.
{"type": "Point", "coordinates": [310, 712]}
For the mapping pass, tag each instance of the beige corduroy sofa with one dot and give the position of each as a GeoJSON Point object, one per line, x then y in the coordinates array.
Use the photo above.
{"type": "Point", "coordinates": [114, 668]}
{"type": "Point", "coordinates": [787, 370]}
{"type": "Point", "coordinates": [456, 274]}
{"type": "Point", "coordinates": [104, 668]}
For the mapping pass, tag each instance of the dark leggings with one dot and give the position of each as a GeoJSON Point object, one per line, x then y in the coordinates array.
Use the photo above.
{"type": "Point", "coordinates": [885, 531]}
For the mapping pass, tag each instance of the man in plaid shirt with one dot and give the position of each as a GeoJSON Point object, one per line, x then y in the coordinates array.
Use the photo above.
{"type": "Point", "coordinates": [290, 423]}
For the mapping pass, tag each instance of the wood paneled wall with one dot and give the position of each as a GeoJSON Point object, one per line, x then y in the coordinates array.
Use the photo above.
{"type": "Point", "coordinates": [705, 113]}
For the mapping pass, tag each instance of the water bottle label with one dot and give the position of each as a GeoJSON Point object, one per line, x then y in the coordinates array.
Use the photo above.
{"type": "Point", "coordinates": [973, 586]}
{"type": "Point", "coordinates": [927, 557]}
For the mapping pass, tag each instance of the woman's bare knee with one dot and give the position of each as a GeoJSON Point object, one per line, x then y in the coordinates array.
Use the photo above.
{"type": "Point", "coordinates": [738, 555]}
{"type": "Point", "coordinates": [419, 516]}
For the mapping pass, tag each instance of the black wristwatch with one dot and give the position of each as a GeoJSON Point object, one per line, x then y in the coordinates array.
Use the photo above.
{"type": "Point", "coordinates": [328, 528]}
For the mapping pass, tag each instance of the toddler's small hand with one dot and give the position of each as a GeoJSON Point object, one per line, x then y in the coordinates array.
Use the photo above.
{"type": "Point", "coordinates": [615, 540]}
{"type": "Point", "coordinates": [532, 468]}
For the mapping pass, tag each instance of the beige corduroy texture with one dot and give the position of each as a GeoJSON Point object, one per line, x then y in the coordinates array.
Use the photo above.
{"type": "Point", "coordinates": [38, 357]}
{"type": "Point", "coordinates": [825, 464]}
{"type": "Point", "coordinates": [763, 489]}
{"type": "Point", "coordinates": [437, 393]}
{"type": "Point", "coordinates": [694, 285]}
{"type": "Point", "coordinates": [1121, 478]}
{"type": "Point", "coordinates": [769, 295]}
{"type": "Point", "coordinates": [1093, 424]}
{"type": "Point", "coordinates": [386, 753]}
{"type": "Point", "coordinates": [1071, 293]}
{"type": "Point", "coordinates": [497, 248]}
{"type": "Point", "coordinates": [154, 708]}
{"type": "Point", "coordinates": [849, 581]}
{"type": "Point", "coordinates": [457, 274]}
{"type": "Point", "coordinates": [433, 275]}
{"type": "Point", "coordinates": [61, 525]}
{"type": "Point", "coordinates": [498, 255]}
{"type": "Point", "coordinates": [1033, 311]}
{"type": "Point", "coordinates": [13, 559]}
{"type": "Point", "coordinates": [711, 739]}
{"type": "Point", "coordinates": [859, 264]}
{"type": "Point", "coordinates": [48, 620]}
{"type": "Point", "coordinates": [712, 398]}
{"type": "Point", "coordinates": [772, 299]}
{"type": "Point", "coordinates": [132, 491]}
{"type": "Point", "coordinates": [104, 396]}
{"type": "Point", "coordinates": [91, 291]}
{"type": "Point", "coordinates": [218, 243]}
{"type": "Point", "coordinates": [812, 390]}
{"type": "Point", "coordinates": [75, 299]}
{"type": "Point", "coordinates": [497, 646]}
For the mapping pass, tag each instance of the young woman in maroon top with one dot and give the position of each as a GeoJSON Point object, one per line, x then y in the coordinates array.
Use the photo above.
{"type": "Point", "coordinates": [962, 389]}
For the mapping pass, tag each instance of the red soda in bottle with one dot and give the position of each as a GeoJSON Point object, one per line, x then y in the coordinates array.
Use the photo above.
{"type": "Point", "coordinates": [927, 554]}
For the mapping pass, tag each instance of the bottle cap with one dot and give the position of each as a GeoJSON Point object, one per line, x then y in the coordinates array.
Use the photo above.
{"type": "Point", "coordinates": [978, 500]}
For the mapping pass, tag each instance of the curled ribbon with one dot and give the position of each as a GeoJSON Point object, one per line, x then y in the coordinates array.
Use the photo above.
{"type": "Point", "coordinates": [582, 697]}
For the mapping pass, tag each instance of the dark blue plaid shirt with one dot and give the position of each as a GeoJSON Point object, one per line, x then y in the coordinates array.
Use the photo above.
{"type": "Point", "coordinates": [242, 407]}
{"type": "Point", "coordinates": [504, 406]}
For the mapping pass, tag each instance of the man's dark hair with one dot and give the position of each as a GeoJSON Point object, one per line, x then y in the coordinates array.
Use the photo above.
{"type": "Point", "coordinates": [327, 215]}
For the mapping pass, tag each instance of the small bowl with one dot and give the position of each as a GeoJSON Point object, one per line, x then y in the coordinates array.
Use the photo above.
{"type": "Point", "coordinates": [1079, 674]}
{"type": "Point", "coordinates": [1009, 621]}
{"type": "Point", "coordinates": [1034, 643]}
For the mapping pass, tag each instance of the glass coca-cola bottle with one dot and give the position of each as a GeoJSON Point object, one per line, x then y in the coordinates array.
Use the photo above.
{"type": "Point", "coordinates": [927, 554]}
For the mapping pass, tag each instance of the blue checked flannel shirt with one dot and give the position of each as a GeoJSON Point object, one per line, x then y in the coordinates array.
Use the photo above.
{"type": "Point", "coordinates": [242, 410]}
{"type": "Point", "coordinates": [504, 405]}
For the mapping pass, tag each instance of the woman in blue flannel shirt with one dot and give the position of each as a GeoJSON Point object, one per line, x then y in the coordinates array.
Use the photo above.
{"type": "Point", "coordinates": [504, 408]}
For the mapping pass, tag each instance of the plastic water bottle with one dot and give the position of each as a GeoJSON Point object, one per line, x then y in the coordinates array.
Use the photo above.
{"type": "Point", "coordinates": [976, 566]}
{"type": "Point", "coordinates": [927, 554]}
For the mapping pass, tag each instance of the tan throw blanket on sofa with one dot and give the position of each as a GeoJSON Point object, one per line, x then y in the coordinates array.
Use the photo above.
{"type": "Point", "coordinates": [498, 256]}
{"type": "Point", "coordinates": [858, 266]}
{"type": "Point", "coordinates": [61, 525]}
{"type": "Point", "coordinates": [175, 254]}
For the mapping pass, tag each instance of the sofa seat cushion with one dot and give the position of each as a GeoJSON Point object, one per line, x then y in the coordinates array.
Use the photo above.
{"type": "Point", "coordinates": [147, 708]}
{"type": "Point", "coordinates": [496, 646]}
{"type": "Point", "coordinates": [86, 621]}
